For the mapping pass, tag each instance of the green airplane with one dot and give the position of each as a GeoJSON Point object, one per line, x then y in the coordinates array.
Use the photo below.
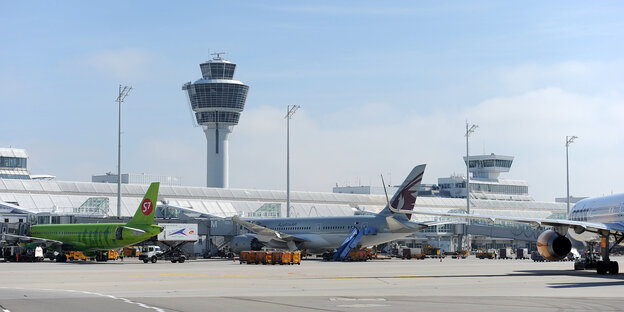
{"type": "Point", "coordinates": [93, 238]}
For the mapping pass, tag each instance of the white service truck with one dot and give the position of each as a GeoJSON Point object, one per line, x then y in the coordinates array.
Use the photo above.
{"type": "Point", "coordinates": [174, 235]}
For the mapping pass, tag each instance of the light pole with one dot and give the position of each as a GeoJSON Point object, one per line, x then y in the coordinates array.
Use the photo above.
{"type": "Point", "coordinates": [291, 111]}
{"type": "Point", "coordinates": [569, 140]}
{"type": "Point", "coordinates": [469, 130]}
{"type": "Point", "coordinates": [123, 92]}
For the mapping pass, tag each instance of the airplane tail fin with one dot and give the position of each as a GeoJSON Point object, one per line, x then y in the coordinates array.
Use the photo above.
{"type": "Point", "coordinates": [145, 213]}
{"type": "Point", "coordinates": [405, 197]}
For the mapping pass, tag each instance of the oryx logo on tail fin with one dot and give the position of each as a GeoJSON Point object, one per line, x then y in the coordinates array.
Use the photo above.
{"type": "Point", "coordinates": [405, 197]}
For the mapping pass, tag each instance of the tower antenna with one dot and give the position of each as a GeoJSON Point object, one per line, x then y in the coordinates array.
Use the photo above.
{"type": "Point", "coordinates": [218, 55]}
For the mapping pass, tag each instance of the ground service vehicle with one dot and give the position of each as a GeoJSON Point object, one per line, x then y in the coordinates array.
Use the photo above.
{"type": "Point", "coordinates": [463, 254]}
{"type": "Point", "coordinates": [484, 254]}
{"type": "Point", "coordinates": [432, 252]}
{"type": "Point", "coordinates": [587, 261]}
{"type": "Point", "coordinates": [412, 253]}
{"type": "Point", "coordinates": [22, 253]}
{"type": "Point", "coordinates": [150, 253]}
{"type": "Point", "coordinates": [154, 253]}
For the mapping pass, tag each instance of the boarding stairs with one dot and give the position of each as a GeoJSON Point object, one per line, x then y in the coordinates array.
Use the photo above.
{"type": "Point", "coordinates": [352, 241]}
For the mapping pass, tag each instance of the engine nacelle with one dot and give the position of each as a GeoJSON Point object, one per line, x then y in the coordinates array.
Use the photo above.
{"type": "Point", "coordinates": [553, 246]}
{"type": "Point", "coordinates": [245, 242]}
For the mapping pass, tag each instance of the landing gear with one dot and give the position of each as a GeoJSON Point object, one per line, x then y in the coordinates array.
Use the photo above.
{"type": "Point", "coordinates": [606, 266]}
{"type": "Point", "coordinates": [613, 267]}
{"type": "Point", "coordinates": [601, 267]}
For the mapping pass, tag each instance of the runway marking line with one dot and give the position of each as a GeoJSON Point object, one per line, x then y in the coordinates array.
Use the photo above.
{"type": "Point", "coordinates": [393, 276]}
{"type": "Point", "coordinates": [142, 305]}
{"type": "Point", "coordinates": [174, 275]}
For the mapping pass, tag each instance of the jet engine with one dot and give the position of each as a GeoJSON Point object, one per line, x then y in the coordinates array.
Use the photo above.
{"type": "Point", "coordinates": [245, 242]}
{"type": "Point", "coordinates": [553, 246]}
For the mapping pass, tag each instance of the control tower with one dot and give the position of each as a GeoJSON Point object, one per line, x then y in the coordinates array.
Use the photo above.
{"type": "Point", "coordinates": [217, 100]}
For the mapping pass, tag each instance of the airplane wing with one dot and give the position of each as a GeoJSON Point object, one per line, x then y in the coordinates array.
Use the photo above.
{"type": "Point", "coordinates": [48, 242]}
{"type": "Point", "coordinates": [266, 234]}
{"type": "Point", "coordinates": [397, 225]}
{"type": "Point", "coordinates": [534, 222]}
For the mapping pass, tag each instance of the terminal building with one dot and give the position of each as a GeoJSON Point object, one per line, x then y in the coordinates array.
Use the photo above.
{"type": "Point", "coordinates": [50, 201]}
{"type": "Point", "coordinates": [136, 178]}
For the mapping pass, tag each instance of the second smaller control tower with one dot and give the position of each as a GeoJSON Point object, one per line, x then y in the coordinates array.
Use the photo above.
{"type": "Point", "coordinates": [217, 100]}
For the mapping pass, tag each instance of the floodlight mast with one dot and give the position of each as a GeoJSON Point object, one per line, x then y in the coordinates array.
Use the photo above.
{"type": "Point", "coordinates": [123, 92]}
{"type": "Point", "coordinates": [569, 140]}
{"type": "Point", "coordinates": [469, 130]}
{"type": "Point", "coordinates": [291, 111]}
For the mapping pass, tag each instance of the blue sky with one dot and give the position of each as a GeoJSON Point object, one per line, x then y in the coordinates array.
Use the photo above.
{"type": "Point", "coordinates": [381, 88]}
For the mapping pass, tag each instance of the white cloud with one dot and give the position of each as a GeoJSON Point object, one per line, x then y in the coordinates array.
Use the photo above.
{"type": "Point", "coordinates": [531, 126]}
{"type": "Point", "coordinates": [124, 64]}
{"type": "Point", "coordinates": [586, 76]}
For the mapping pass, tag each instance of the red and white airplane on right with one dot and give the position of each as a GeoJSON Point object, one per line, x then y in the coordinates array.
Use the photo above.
{"type": "Point", "coordinates": [598, 219]}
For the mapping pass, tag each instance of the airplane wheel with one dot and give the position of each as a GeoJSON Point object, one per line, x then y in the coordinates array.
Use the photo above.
{"type": "Point", "coordinates": [613, 267]}
{"type": "Point", "coordinates": [601, 267]}
{"type": "Point", "coordinates": [182, 260]}
{"type": "Point", "coordinates": [154, 259]}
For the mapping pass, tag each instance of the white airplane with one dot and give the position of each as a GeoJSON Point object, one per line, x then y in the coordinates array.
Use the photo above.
{"type": "Point", "coordinates": [323, 234]}
{"type": "Point", "coordinates": [598, 219]}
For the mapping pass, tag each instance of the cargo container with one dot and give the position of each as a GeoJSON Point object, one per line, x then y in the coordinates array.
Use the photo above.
{"type": "Point", "coordinates": [269, 257]}
{"type": "Point", "coordinates": [413, 253]}
{"type": "Point", "coordinates": [243, 257]}
{"type": "Point", "coordinates": [505, 253]}
{"type": "Point", "coordinates": [358, 255]}
{"type": "Point", "coordinates": [522, 253]}
{"type": "Point", "coordinates": [296, 257]}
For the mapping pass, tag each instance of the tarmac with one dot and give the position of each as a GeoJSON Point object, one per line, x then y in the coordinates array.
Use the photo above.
{"type": "Point", "coordinates": [378, 285]}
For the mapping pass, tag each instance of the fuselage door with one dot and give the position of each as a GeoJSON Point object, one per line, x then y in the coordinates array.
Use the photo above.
{"type": "Point", "coordinates": [118, 233]}
{"type": "Point", "coordinates": [319, 227]}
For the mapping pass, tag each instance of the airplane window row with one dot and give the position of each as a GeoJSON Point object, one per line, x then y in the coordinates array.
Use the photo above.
{"type": "Point", "coordinates": [293, 228]}
{"type": "Point", "coordinates": [333, 227]}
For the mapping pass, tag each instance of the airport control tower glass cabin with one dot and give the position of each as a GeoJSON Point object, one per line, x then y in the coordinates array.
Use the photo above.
{"type": "Point", "coordinates": [217, 100]}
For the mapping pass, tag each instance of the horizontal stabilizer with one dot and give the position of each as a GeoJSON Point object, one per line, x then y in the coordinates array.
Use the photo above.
{"type": "Point", "coordinates": [136, 232]}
